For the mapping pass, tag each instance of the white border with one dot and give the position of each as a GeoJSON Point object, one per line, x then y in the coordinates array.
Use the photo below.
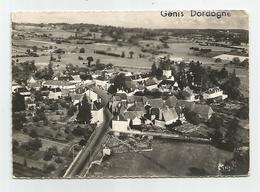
{"type": "Point", "coordinates": [123, 185]}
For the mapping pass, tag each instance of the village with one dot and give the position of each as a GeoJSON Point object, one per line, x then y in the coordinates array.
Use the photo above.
{"type": "Point", "coordinates": [75, 107]}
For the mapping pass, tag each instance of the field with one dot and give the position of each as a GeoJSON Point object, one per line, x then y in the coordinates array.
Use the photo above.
{"type": "Point", "coordinates": [166, 159]}
{"type": "Point", "coordinates": [177, 47]}
{"type": "Point", "coordinates": [46, 143]}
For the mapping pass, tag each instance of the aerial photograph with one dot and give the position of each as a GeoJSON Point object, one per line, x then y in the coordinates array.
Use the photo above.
{"type": "Point", "coordinates": [129, 94]}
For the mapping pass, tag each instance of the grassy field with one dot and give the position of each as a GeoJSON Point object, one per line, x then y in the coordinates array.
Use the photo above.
{"type": "Point", "coordinates": [46, 143]}
{"type": "Point", "coordinates": [166, 159]}
{"type": "Point", "coordinates": [134, 64]}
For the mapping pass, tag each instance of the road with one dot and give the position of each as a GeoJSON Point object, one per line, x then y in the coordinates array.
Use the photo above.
{"type": "Point", "coordinates": [85, 156]}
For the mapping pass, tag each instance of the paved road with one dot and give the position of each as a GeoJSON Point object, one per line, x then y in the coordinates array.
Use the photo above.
{"type": "Point", "coordinates": [85, 156]}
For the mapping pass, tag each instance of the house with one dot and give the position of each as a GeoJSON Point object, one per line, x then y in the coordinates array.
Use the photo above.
{"type": "Point", "coordinates": [55, 93]}
{"type": "Point", "coordinates": [139, 78]}
{"type": "Point", "coordinates": [91, 95]}
{"type": "Point", "coordinates": [188, 95]}
{"type": "Point", "coordinates": [30, 104]}
{"type": "Point", "coordinates": [23, 91]}
{"type": "Point", "coordinates": [119, 124]}
{"type": "Point", "coordinates": [171, 101]}
{"type": "Point", "coordinates": [76, 98]}
{"type": "Point", "coordinates": [167, 73]}
{"type": "Point", "coordinates": [102, 82]}
{"type": "Point", "coordinates": [137, 107]}
{"type": "Point", "coordinates": [155, 103]}
{"type": "Point", "coordinates": [167, 117]}
{"type": "Point", "coordinates": [204, 111]}
{"type": "Point", "coordinates": [214, 93]}
{"type": "Point", "coordinates": [169, 85]}
{"type": "Point", "coordinates": [228, 57]}
{"type": "Point", "coordinates": [97, 112]}
{"type": "Point", "coordinates": [35, 84]}
{"type": "Point", "coordinates": [134, 118]}
{"type": "Point", "coordinates": [15, 86]}
{"type": "Point", "coordinates": [150, 84]}
{"type": "Point", "coordinates": [59, 84]}
{"type": "Point", "coordinates": [75, 79]}
{"type": "Point", "coordinates": [122, 95]}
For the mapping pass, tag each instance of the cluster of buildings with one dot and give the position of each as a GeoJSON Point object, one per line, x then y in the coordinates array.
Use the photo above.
{"type": "Point", "coordinates": [143, 101]}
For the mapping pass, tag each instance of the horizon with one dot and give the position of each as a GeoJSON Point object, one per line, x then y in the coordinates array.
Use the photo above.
{"type": "Point", "coordinates": [61, 23]}
{"type": "Point", "coordinates": [131, 19]}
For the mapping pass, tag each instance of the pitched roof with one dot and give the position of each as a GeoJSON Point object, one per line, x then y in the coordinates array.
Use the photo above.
{"type": "Point", "coordinates": [96, 106]}
{"type": "Point", "coordinates": [156, 103]}
{"type": "Point", "coordinates": [171, 101]}
{"type": "Point", "coordinates": [137, 107]}
{"type": "Point", "coordinates": [119, 117]}
{"type": "Point", "coordinates": [149, 82]}
{"type": "Point", "coordinates": [121, 95]}
{"type": "Point", "coordinates": [76, 97]}
{"type": "Point", "coordinates": [186, 104]}
{"type": "Point", "coordinates": [202, 110]}
{"type": "Point", "coordinates": [133, 114]}
{"type": "Point", "coordinates": [131, 85]}
{"type": "Point", "coordinates": [58, 83]}
{"type": "Point", "coordinates": [169, 114]}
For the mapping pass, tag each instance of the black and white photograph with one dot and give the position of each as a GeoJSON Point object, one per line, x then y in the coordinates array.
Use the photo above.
{"type": "Point", "coordinates": [130, 94]}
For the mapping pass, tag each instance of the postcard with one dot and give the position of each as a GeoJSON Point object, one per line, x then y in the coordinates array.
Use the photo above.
{"type": "Point", "coordinates": [130, 94]}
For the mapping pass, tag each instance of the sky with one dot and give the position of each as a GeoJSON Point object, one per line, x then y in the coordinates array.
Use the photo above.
{"type": "Point", "coordinates": [140, 19]}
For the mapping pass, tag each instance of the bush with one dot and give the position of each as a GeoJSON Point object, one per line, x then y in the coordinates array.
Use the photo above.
{"type": "Point", "coordinates": [58, 160]}
{"type": "Point", "coordinates": [243, 112]}
{"type": "Point", "coordinates": [33, 134]}
{"type": "Point", "coordinates": [82, 50]}
{"type": "Point", "coordinates": [192, 117]}
{"type": "Point", "coordinates": [47, 156]}
{"type": "Point", "coordinates": [49, 168]}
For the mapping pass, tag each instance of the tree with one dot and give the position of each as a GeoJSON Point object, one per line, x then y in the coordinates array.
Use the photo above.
{"type": "Point", "coordinates": [47, 156]}
{"type": "Point", "coordinates": [123, 54]}
{"type": "Point", "coordinates": [89, 59]}
{"type": "Point", "coordinates": [238, 165]}
{"type": "Point", "coordinates": [218, 60]}
{"type": "Point", "coordinates": [217, 123]}
{"type": "Point", "coordinates": [18, 102]}
{"type": "Point", "coordinates": [236, 60]}
{"type": "Point", "coordinates": [232, 137]}
{"type": "Point", "coordinates": [15, 145]}
{"type": "Point", "coordinates": [223, 73]}
{"type": "Point", "coordinates": [159, 73]}
{"type": "Point", "coordinates": [40, 115]}
{"type": "Point", "coordinates": [34, 48]}
{"type": "Point", "coordinates": [154, 69]}
{"type": "Point", "coordinates": [18, 120]}
{"type": "Point", "coordinates": [131, 53]}
{"type": "Point", "coordinates": [243, 112]}
{"type": "Point", "coordinates": [35, 144]}
{"type": "Point", "coordinates": [71, 111]}
{"type": "Point", "coordinates": [109, 66]}
{"type": "Point", "coordinates": [82, 50]}
{"type": "Point", "coordinates": [50, 71]}
{"type": "Point", "coordinates": [119, 81]}
{"type": "Point", "coordinates": [231, 86]}
{"type": "Point", "coordinates": [192, 117]}
{"type": "Point", "coordinates": [33, 133]}
{"type": "Point", "coordinates": [58, 160]}
{"type": "Point", "coordinates": [82, 142]}
{"type": "Point", "coordinates": [49, 168]}
{"type": "Point", "coordinates": [84, 114]}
